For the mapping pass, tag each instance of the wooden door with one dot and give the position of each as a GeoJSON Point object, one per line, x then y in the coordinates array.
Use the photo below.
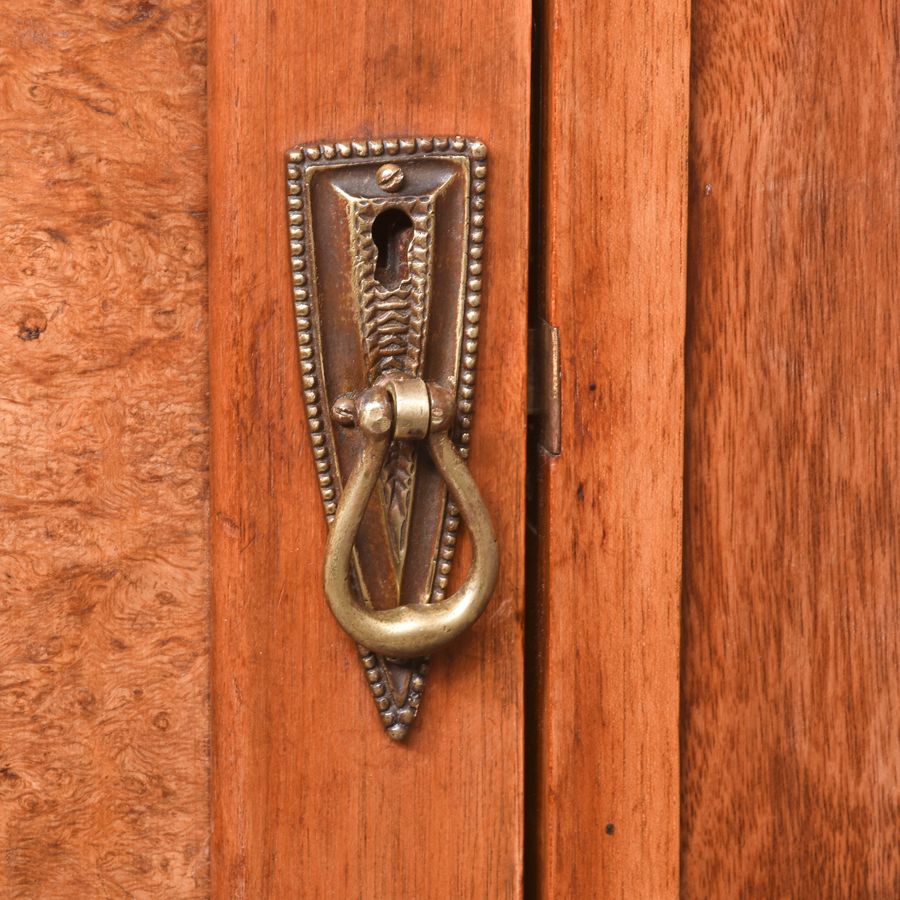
{"type": "Point", "coordinates": [309, 793]}
{"type": "Point", "coordinates": [309, 796]}
{"type": "Point", "coordinates": [684, 682]}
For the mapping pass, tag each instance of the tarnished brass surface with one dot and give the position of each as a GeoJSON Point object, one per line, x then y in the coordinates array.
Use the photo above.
{"type": "Point", "coordinates": [386, 242]}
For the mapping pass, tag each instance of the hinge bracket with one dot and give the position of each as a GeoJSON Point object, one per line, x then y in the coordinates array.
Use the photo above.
{"type": "Point", "coordinates": [544, 385]}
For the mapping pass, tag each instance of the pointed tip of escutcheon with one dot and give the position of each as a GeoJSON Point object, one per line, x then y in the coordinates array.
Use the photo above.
{"type": "Point", "coordinates": [397, 687]}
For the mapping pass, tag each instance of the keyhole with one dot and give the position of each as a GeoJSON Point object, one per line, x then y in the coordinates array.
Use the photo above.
{"type": "Point", "coordinates": [392, 232]}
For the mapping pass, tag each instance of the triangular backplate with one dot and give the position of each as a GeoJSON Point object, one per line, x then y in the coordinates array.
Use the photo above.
{"type": "Point", "coordinates": [386, 264]}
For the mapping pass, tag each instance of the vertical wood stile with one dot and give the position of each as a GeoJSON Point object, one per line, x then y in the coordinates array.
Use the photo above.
{"type": "Point", "coordinates": [612, 234]}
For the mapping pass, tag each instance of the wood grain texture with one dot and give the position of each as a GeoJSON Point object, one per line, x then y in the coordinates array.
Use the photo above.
{"type": "Point", "coordinates": [310, 797]}
{"type": "Point", "coordinates": [791, 748]}
{"type": "Point", "coordinates": [103, 450]}
{"type": "Point", "coordinates": [614, 211]}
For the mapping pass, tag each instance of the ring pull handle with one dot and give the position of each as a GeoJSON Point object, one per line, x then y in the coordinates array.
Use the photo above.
{"type": "Point", "coordinates": [406, 409]}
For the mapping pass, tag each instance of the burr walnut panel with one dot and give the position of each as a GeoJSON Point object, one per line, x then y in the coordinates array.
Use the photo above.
{"type": "Point", "coordinates": [103, 451]}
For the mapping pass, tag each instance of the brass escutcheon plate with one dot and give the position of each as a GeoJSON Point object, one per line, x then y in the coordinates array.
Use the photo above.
{"type": "Point", "coordinates": [386, 241]}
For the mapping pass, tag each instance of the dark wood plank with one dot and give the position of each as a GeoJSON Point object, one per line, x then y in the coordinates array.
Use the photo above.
{"type": "Point", "coordinates": [310, 797]}
{"type": "Point", "coordinates": [104, 580]}
{"type": "Point", "coordinates": [791, 765]}
{"type": "Point", "coordinates": [614, 211]}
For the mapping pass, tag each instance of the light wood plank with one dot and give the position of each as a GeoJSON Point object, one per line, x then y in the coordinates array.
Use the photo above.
{"type": "Point", "coordinates": [791, 768]}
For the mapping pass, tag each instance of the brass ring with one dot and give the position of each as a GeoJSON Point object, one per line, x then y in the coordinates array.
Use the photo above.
{"type": "Point", "coordinates": [415, 630]}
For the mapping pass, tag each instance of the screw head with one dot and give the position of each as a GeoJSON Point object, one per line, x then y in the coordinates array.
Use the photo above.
{"type": "Point", "coordinates": [343, 411]}
{"type": "Point", "coordinates": [389, 177]}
